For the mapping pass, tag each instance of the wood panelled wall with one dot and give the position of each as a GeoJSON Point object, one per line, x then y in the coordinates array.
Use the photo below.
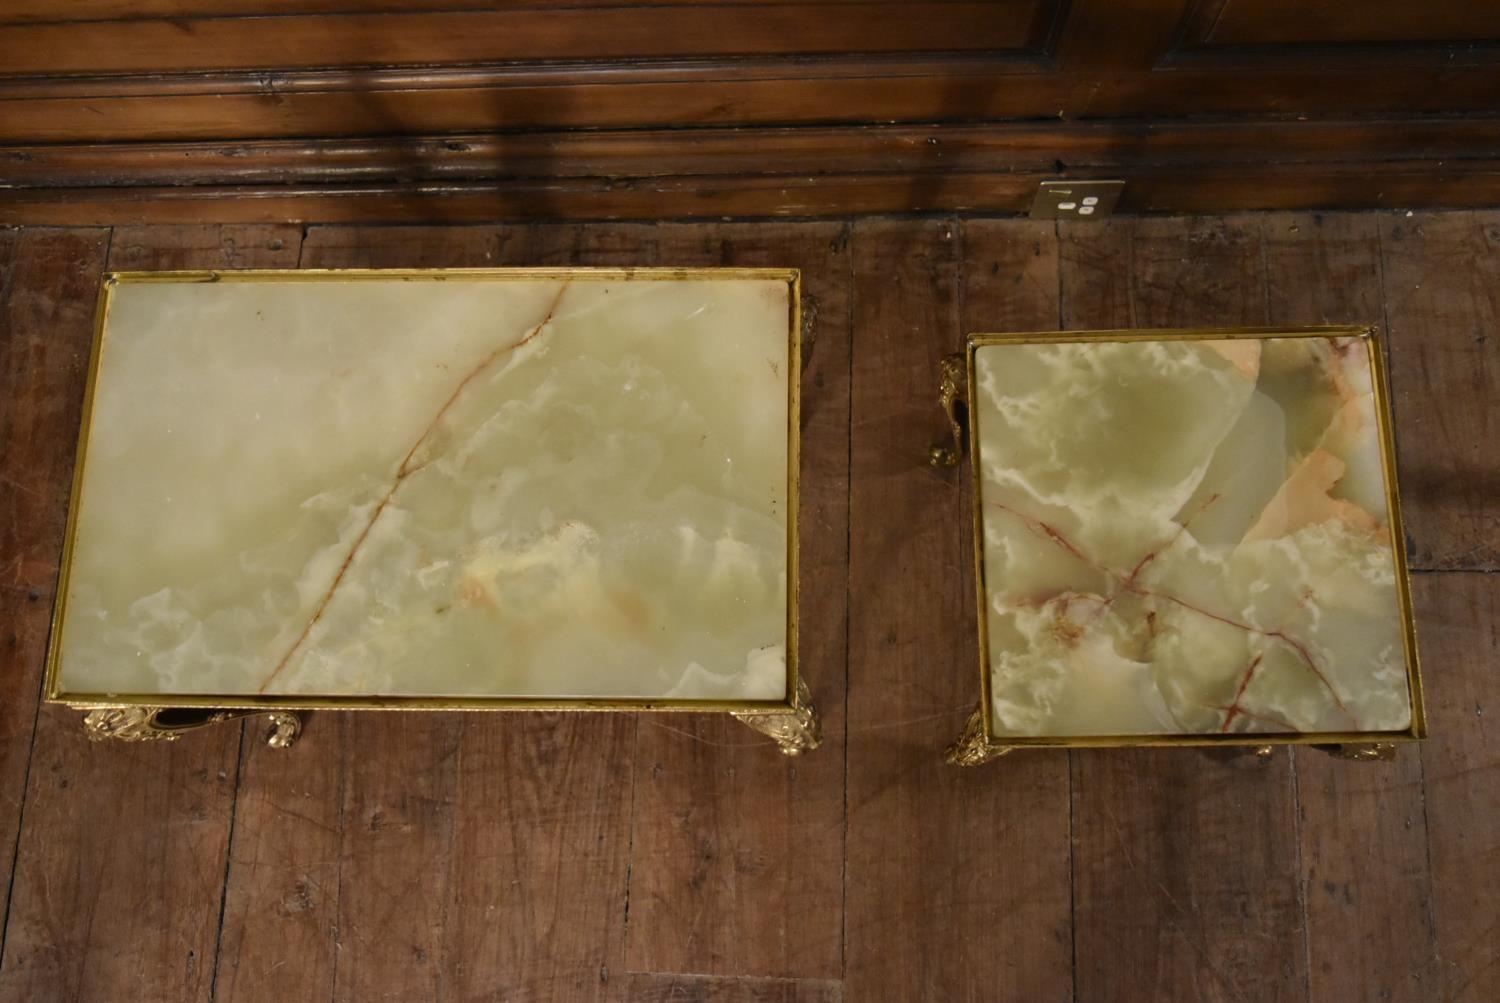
{"type": "Point", "coordinates": [115, 110]}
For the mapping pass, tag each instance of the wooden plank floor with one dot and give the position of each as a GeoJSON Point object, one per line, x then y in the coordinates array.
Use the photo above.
{"type": "Point", "coordinates": [613, 858]}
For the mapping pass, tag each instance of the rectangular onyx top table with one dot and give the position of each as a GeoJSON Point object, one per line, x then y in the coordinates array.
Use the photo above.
{"type": "Point", "coordinates": [1188, 537]}
{"type": "Point", "coordinates": [457, 488]}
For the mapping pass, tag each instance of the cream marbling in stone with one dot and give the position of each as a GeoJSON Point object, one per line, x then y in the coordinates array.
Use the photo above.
{"type": "Point", "coordinates": [1186, 537]}
{"type": "Point", "coordinates": [473, 487]}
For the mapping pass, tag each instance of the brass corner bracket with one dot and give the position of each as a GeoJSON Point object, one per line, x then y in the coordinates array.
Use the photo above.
{"type": "Point", "coordinates": [166, 724]}
{"type": "Point", "coordinates": [975, 747]}
{"type": "Point", "coordinates": [952, 381]}
{"type": "Point", "coordinates": [795, 731]}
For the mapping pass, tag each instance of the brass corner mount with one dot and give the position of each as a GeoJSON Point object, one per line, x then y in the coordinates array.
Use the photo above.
{"type": "Point", "coordinates": [952, 381]}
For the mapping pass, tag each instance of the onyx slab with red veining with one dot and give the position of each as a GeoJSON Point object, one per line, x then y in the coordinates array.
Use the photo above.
{"type": "Point", "coordinates": [497, 485]}
{"type": "Point", "coordinates": [1187, 537]}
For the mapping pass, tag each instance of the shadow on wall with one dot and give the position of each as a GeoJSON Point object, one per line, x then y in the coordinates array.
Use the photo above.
{"type": "Point", "coordinates": [450, 180]}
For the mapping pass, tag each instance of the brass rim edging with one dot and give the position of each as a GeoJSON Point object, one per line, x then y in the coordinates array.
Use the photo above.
{"type": "Point", "coordinates": [1352, 745]}
{"type": "Point", "coordinates": [144, 708]}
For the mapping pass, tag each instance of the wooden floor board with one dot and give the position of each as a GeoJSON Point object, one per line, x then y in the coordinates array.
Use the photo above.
{"type": "Point", "coordinates": [957, 878]}
{"type": "Point", "coordinates": [204, 246]}
{"type": "Point", "coordinates": [279, 929]}
{"type": "Point", "coordinates": [1460, 617]}
{"type": "Point", "coordinates": [1442, 299]}
{"type": "Point", "coordinates": [613, 858]}
{"type": "Point", "coordinates": [49, 279]}
{"type": "Point", "coordinates": [18, 699]}
{"type": "Point", "coordinates": [642, 988]}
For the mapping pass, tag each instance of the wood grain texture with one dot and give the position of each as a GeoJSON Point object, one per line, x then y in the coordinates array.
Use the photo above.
{"type": "Point", "coordinates": [397, 863]}
{"type": "Point", "coordinates": [507, 34]}
{"type": "Point", "coordinates": [1362, 833]}
{"type": "Point", "coordinates": [22, 684]}
{"type": "Point", "coordinates": [728, 833]}
{"type": "Point", "coordinates": [1458, 614]}
{"type": "Point", "coordinates": [643, 988]}
{"type": "Point", "coordinates": [25, 11]}
{"type": "Point", "coordinates": [1301, 22]}
{"type": "Point", "coordinates": [48, 280]}
{"type": "Point", "coordinates": [507, 99]}
{"type": "Point", "coordinates": [1186, 867]}
{"type": "Point", "coordinates": [782, 151]}
{"type": "Point", "coordinates": [279, 930]}
{"type": "Point", "coordinates": [1172, 187]}
{"type": "Point", "coordinates": [205, 245]}
{"type": "Point", "coordinates": [422, 246]}
{"type": "Point", "coordinates": [1152, 189]}
{"type": "Point", "coordinates": [1442, 285]}
{"type": "Point", "coordinates": [541, 856]}
{"type": "Point", "coordinates": [931, 847]}
{"type": "Point", "coordinates": [121, 867]}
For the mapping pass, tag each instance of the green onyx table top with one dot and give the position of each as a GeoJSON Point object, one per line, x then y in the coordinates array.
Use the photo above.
{"type": "Point", "coordinates": [450, 486]}
{"type": "Point", "coordinates": [1188, 537]}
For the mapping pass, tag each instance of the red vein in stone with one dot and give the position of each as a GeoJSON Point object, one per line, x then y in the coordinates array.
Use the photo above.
{"type": "Point", "coordinates": [1312, 667]}
{"type": "Point", "coordinates": [1196, 609]}
{"type": "Point", "coordinates": [405, 470]}
{"type": "Point", "coordinates": [1041, 528]}
{"type": "Point", "coordinates": [1234, 705]}
{"type": "Point", "coordinates": [1127, 583]}
{"type": "Point", "coordinates": [1281, 723]}
{"type": "Point", "coordinates": [1290, 642]}
{"type": "Point", "coordinates": [1152, 555]}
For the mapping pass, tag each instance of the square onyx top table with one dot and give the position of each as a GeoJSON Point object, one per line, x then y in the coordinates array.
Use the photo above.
{"type": "Point", "coordinates": [458, 489]}
{"type": "Point", "coordinates": [1186, 537]}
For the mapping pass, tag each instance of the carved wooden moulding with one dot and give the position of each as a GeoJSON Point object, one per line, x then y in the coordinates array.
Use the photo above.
{"type": "Point", "coordinates": [436, 490]}
{"type": "Point", "coordinates": [1186, 538]}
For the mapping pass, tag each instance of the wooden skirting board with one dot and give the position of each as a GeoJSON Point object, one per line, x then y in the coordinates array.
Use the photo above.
{"type": "Point", "coordinates": [1176, 166]}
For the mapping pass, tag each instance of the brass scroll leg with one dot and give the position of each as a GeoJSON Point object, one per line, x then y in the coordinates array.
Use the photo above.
{"type": "Point", "coordinates": [795, 731]}
{"type": "Point", "coordinates": [166, 724]}
{"type": "Point", "coordinates": [974, 747]}
{"type": "Point", "coordinates": [953, 378]}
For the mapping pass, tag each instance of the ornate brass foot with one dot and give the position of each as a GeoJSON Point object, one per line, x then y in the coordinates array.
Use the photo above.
{"type": "Point", "coordinates": [1362, 751]}
{"type": "Point", "coordinates": [974, 746]}
{"type": "Point", "coordinates": [286, 728]}
{"type": "Point", "coordinates": [166, 724]}
{"type": "Point", "coordinates": [953, 378]}
{"type": "Point", "coordinates": [795, 731]}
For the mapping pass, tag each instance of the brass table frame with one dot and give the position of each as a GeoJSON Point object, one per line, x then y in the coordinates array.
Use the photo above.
{"type": "Point", "coordinates": [792, 722]}
{"type": "Point", "coordinates": [978, 743]}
